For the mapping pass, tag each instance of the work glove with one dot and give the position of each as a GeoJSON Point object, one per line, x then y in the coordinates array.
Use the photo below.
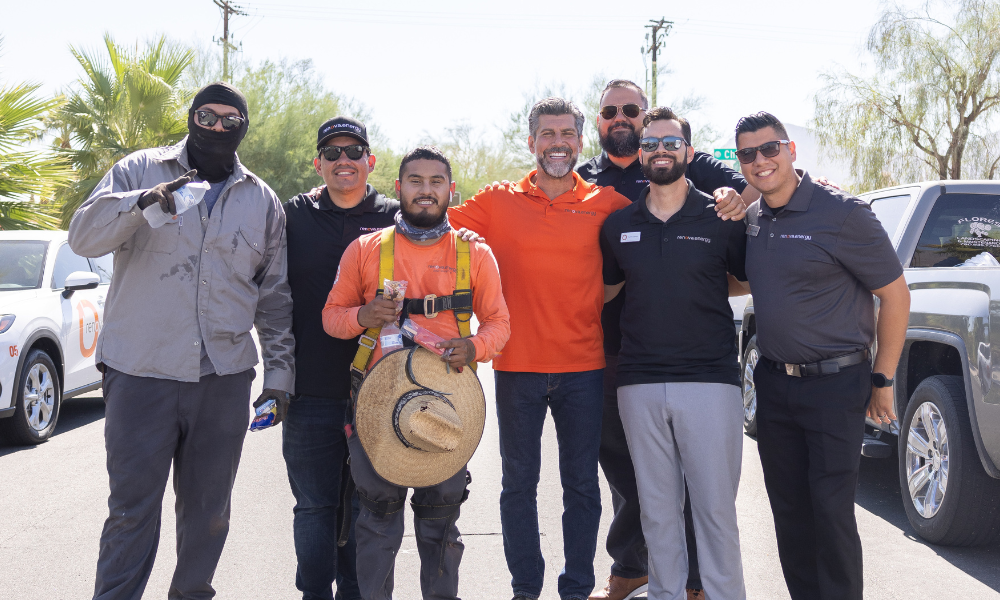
{"type": "Point", "coordinates": [282, 400]}
{"type": "Point", "coordinates": [163, 193]}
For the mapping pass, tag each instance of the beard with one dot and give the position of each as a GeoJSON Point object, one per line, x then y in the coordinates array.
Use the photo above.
{"type": "Point", "coordinates": [553, 169]}
{"type": "Point", "coordinates": [661, 176]}
{"type": "Point", "coordinates": [421, 217]}
{"type": "Point", "coordinates": [621, 141]}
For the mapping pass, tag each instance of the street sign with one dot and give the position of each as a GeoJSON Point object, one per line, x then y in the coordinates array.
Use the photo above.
{"type": "Point", "coordinates": [724, 153]}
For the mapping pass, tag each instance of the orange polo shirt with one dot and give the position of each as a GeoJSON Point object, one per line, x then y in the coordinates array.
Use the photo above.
{"type": "Point", "coordinates": [427, 270]}
{"type": "Point", "coordinates": [550, 263]}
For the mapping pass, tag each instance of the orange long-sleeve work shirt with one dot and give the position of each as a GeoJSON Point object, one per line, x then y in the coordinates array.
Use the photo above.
{"type": "Point", "coordinates": [427, 270]}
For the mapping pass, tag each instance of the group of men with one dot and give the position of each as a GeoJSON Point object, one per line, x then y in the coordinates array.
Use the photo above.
{"type": "Point", "coordinates": [602, 298]}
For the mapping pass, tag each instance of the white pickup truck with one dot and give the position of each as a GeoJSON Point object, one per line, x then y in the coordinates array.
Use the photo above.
{"type": "Point", "coordinates": [947, 439]}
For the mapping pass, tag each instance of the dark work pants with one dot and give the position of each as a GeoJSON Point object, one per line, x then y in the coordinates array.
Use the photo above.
{"type": "Point", "coordinates": [315, 449]}
{"type": "Point", "coordinates": [150, 423]}
{"type": "Point", "coordinates": [626, 544]}
{"type": "Point", "coordinates": [809, 434]}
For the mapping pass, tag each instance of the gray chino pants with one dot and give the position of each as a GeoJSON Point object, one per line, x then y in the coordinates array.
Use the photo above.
{"type": "Point", "coordinates": [150, 423]}
{"type": "Point", "coordinates": [692, 431]}
{"type": "Point", "coordinates": [439, 542]}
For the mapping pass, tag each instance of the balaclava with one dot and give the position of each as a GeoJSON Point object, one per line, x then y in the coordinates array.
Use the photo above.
{"type": "Point", "coordinates": [213, 153]}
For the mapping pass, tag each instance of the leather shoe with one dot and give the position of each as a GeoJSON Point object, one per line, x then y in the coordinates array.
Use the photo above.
{"type": "Point", "coordinates": [620, 588]}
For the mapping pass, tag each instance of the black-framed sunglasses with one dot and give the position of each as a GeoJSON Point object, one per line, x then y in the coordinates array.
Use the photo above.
{"type": "Point", "coordinates": [670, 142]}
{"type": "Point", "coordinates": [353, 152]}
{"type": "Point", "coordinates": [207, 118]}
{"type": "Point", "coordinates": [629, 110]}
{"type": "Point", "coordinates": [769, 150]}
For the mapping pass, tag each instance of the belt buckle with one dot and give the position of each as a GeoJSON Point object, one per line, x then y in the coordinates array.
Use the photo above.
{"type": "Point", "coordinates": [429, 306]}
{"type": "Point", "coordinates": [793, 370]}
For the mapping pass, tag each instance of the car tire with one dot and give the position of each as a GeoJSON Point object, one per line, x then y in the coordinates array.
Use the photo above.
{"type": "Point", "coordinates": [948, 496]}
{"type": "Point", "coordinates": [750, 357]}
{"type": "Point", "coordinates": [38, 396]}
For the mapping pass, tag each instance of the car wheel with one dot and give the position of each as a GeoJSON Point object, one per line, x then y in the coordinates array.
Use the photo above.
{"type": "Point", "coordinates": [750, 358]}
{"type": "Point", "coordinates": [38, 397]}
{"type": "Point", "coordinates": [948, 496]}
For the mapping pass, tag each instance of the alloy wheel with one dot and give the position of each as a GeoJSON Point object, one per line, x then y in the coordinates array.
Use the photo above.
{"type": "Point", "coordinates": [927, 460]}
{"type": "Point", "coordinates": [39, 397]}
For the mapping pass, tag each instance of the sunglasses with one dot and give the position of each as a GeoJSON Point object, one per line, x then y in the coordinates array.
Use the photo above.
{"type": "Point", "coordinates": [629, 110]}
{"type": "Point", "coordinates": [769, 150]}
{"type": "Point", "coordinates": [650, 144]}
{"type": "Point", "coordinates": [208, 119]}
{"type": "Point", "coordinates": [353, 152]}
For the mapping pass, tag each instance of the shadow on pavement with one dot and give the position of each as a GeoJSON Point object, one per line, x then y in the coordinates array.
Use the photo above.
{"type": "Point", "coordinates": [74, 413]}
{"type": "Point", "coordinates": [880, 494]}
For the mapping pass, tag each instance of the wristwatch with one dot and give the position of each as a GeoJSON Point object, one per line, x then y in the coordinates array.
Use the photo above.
{"type": "Point", "coordinates": [881, 381]}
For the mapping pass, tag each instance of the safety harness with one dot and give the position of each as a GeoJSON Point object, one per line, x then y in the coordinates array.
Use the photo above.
{"type": "Point", "coordinates": [460, 302]}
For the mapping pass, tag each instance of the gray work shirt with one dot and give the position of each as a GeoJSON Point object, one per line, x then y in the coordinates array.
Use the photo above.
{"type": "Point", "coordinates": [200, 279]}
{"type": "Point", "coordinates": [811, 268]}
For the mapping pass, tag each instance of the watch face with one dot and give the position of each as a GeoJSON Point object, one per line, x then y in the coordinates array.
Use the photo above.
{"type": "Point", "coordinates": [880, 380]}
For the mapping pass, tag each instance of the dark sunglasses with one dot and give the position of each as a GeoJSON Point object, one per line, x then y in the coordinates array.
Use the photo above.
{"type": "Point", "coordinates": [650, 144]}
{"type": "Point", "coordinates": [629, 110]}
{"type": "Point", "coordinates": [207, 118]}
{"type": "Point", "coordinates": [353, 152]}
{"type": "Point", "coordinates": [769, 150]}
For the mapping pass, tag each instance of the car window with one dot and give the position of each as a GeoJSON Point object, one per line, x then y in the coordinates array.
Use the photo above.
{"type": "Point", "coordinates": [103, 266]}
{"type": "Point", "coordinates": [67, 262]}
{"type": "Point", "coordinates": [959, 227]}
{"type": "Point", "coordinates": [890, 212]}
{"type": "Point", "coordinates": [21, 264]}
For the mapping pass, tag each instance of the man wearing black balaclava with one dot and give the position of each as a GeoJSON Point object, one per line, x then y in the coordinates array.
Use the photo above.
{"type": "Point", "coordinates": [175, 345]}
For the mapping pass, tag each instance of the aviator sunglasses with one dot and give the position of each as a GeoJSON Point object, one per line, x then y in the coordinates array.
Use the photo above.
{"type": "Point", "coordinates": [353, 152]}
{"type": "Point", "coordinates": [208, 119]}
{"type": "Point", "coordinates": [769, 150]}
{"type": "Point", "coordinates": [629, 110]}
{"type": "Point", "coordinates": [650, 144]}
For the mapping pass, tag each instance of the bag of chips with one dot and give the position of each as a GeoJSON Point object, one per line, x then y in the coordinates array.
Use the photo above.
{"type": "Point", "coordinates": [390, 337]}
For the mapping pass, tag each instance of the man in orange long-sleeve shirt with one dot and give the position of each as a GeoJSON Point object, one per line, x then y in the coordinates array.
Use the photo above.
{"type": "Point", "coordinates": [424, 257]}
{"type": "Point", "coordinates": [545, 232]}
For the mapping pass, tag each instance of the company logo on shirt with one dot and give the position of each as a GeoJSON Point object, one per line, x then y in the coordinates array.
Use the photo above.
{"type": "Point", "coordinates": [695, 239]}
{"type": "Point", "coordinates": [581, 212]}
{"type": "Point", "coordinates": [441, 268]}
{"type": "Point", "coordinates": [642, 181]}
{"type": "Point", "coordinates": [631, 236]}
{"type": "Point", "coordinates": [795, 237]}
{"type": "Point", "coordinates": [370, 229]}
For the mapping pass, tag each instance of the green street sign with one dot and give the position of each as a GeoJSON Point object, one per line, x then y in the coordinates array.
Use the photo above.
{"type": "Point", "coordinates": [724, 153]}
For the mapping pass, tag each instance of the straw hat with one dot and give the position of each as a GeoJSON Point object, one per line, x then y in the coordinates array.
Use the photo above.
{"type": "Point", "coordinates": [419, 424]}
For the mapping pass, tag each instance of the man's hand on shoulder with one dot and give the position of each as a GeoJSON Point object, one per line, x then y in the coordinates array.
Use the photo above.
{"type": "Point", "coordinates": [464, 351]}
{"type": "Point", "coordinates": [377, 313]}
{"type": "Point", "coordinates": [729, 204]}
{"type": "Point", "coordinates": [822, 180]}
{"type": "Point", "coordinates": [499, 186]}
{"type": "Point", "coordinates": [470, 236]}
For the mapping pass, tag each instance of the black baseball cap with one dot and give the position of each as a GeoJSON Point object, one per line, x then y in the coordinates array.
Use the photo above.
{"type": "Point", "coordinates": [342, 126]}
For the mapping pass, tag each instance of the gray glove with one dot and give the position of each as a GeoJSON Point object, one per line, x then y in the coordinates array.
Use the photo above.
{"type": "Point", "coordinates": [163, 193]}
{"type": "Point", "coordinates": [282, 399]}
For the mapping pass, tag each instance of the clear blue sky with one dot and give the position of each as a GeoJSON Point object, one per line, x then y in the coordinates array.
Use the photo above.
{"type": "Point", "coordinates": [421, 67]}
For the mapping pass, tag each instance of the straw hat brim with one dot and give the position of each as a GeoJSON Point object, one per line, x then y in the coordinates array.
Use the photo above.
{"type": "Point", "coordinates": [381, 389]}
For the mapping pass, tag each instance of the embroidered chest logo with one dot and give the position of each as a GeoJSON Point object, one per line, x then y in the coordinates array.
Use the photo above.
{"type": "Point", "coordinates": [581, 212]}
{"type": "Point", "coordinates": [370, 228]}
{"type": "Point", "coordinates": [795, 237]}
{"type": "Point", "coordinates": [630, 236]}
{"type": "Point", "coordinates": [441, 268]}
{"type": "Point", "coordinates": [693, 238]}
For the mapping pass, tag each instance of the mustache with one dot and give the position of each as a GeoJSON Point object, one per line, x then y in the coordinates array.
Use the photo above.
{"type": "Point", "coordinates": [622, 125]}
{"type": "Point", "coordinates": [565, 149]}
{"type": "Point", "coordinates": [431, 198]}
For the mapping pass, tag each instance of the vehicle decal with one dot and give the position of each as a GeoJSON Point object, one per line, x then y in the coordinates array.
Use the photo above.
{"type": "Point", "coordinates": [12, 351]}
{"type": "Point", "coordinates": [94, 327]}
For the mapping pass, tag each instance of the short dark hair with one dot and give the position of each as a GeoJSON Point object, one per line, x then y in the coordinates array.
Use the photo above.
{"type": "Point", "coordinates": [554, 107]}
{"type": "Point", "coordinates": [625, 83]}
{"type": "Point", "coordinates": [425, 153]}
{"type": "Point", "coordinates": [758, 121]}
{"type": "Point", "coordinates": [665, 113]}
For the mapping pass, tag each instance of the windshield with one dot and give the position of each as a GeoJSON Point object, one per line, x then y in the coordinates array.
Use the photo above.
{"type": "Point", "coordinates": [960, 227]}
{"type": "Point", "coordinates": [21, 264]}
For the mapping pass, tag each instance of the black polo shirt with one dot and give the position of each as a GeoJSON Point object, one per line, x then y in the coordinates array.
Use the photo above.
{"type": "Point", "coordinates": [677, 325]}
{"type": "Point", "coordinates": [318, 232]}
{"type": "Point", "coordinates": [812, 266]}
{"type": "Point", "coordinates": [707, 174]}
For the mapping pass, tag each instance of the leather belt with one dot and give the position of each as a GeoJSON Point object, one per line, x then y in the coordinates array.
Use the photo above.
{"type": "Point", "coordinates": [823, 367]}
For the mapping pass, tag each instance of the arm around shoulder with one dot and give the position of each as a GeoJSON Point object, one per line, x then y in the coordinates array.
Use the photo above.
{"type": "Point", "coordinates": [489, 305]}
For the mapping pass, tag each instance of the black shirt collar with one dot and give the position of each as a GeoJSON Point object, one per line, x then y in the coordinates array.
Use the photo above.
{"type": "Point", "coordinates": [800, 199]}
{"type": "Point", "coordinates": [694, 205]}
{"type": "Point", "coordinates": [603, 163]}
{"type": "Point", "coordinates": [366, 205]}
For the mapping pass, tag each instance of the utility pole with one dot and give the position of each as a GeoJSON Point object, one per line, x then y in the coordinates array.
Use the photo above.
{"type": "Point", "coordinates": [228, 8]}
{"type": "Point", "coordinates": [654, 42]}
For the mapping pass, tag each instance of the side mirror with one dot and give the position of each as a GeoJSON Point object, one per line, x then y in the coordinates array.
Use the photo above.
{"type": "Point", "coordinates": [80, 280]}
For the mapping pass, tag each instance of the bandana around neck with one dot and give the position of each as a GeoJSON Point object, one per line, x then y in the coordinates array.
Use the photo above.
{"type": "Point", "coordinates": [419, 234]}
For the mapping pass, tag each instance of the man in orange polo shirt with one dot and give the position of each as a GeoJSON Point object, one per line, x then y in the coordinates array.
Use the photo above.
{"type": "Point", "coordinates": [424, 257]}
{"type": "Point", "coordinates": [544, 232]}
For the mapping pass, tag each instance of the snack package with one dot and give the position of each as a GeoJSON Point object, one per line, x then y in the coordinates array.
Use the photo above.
{"type": "Point", "coordinates": [184, 198]}
{"type": "Point", "coordinates": [266, 414]}
{"type": "Point", "coordinates": [390, 337]}
{"type": "Point", "coordinates": [425, 338]}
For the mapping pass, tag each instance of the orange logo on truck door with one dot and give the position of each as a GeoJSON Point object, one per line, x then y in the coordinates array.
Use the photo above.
{"type": "Point", "coordinates": [89, 328]}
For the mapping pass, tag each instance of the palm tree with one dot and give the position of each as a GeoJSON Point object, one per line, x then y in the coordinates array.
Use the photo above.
{"type": "Point", "coordinates": [24, 172]}
{"type": "Point", "coordinates": [126, 101]}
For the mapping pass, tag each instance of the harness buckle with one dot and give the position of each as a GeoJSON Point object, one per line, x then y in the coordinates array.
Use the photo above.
{"type": "Point", "coordinates": [429, 311]}
{"type": "Point", "coordinates": [373, 341]}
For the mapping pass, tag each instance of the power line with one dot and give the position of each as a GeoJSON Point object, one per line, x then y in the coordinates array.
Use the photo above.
{"type": "Point", "coordinates": [228, 9]}
{"type": "Point", "coordinates": [659, 30]}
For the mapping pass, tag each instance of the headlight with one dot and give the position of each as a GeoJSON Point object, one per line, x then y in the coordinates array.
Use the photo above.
{"type": "Point", "coordinates": [5, 322]}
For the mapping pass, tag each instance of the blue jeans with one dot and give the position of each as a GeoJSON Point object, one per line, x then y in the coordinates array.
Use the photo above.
{"type": "Point", "coordinates": [315, 449]}
{"type": "Point", "coordinates": [576, 401]}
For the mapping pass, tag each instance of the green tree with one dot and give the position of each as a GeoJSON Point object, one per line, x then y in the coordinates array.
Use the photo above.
{"type": "Point", "coordinates": [126, 100]}
{"type": "Point", "coordinates": [476, 159]}
{"type": "Point", "coordinates": [26, 174]}
{"type": "Point", "coordinates": [928, 104]}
